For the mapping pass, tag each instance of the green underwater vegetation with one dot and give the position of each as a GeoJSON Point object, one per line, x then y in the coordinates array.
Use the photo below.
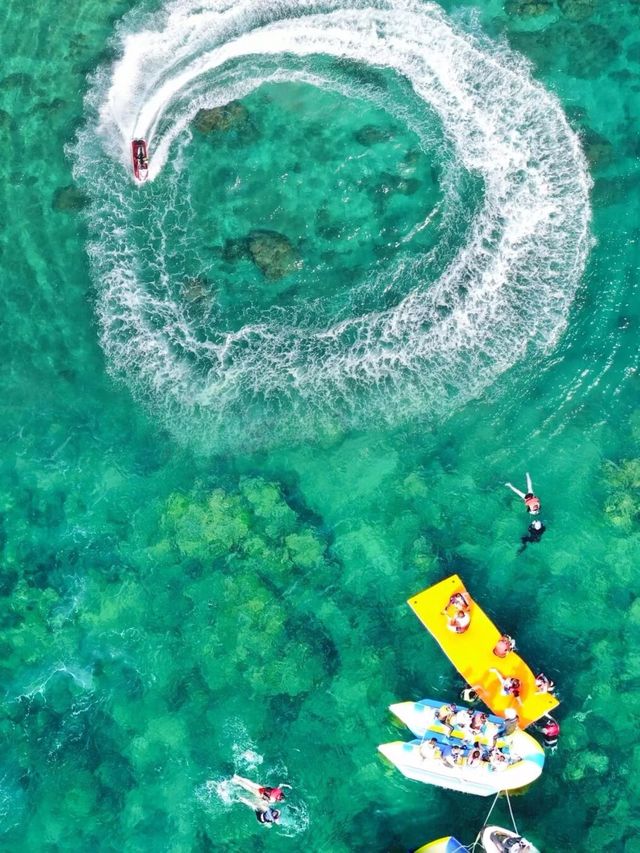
{"type": "Point", "coordinates": [199, 582]}
{"type": "Point", "coordinates": [623, 485]}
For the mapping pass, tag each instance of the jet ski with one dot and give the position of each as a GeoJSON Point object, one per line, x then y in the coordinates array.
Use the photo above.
{"type": "Point", "coordinates": [495, 839]}
{"type": "Point", "coordinates": [140, 159]}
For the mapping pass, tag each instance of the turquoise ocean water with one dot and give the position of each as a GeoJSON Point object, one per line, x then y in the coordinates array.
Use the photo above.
{"type": "Point", "coordinates": [252, 406]}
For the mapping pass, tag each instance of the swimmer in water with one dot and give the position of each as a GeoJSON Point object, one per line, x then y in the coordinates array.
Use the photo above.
{"type": "Point", "coordinates": [549, 728]}
{"type": "Point", "coordinates": [268, 816]}
{"type": "Point", "coordinates": [272, 795]}
{"type": "Point", "coordinates": [262, 792]}
{"type": "Point", "coordinates": [470, 695]}
{"type": "Point", "coordinates": [531, 502]}
{"type": "Point", "coordinates": [544, 684]}
{"type": "Point", "coordinates": [534, 534]}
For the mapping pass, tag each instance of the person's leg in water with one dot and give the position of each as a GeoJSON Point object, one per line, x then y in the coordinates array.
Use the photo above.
{"type": "Point", "coordinates": [525, 540]}
{"type": "Point", "coordinates": [529, 484]}
{"type": "Point", "coordinates": [247, 784]}
{"type": "Point", "coordinates": [254, 805]}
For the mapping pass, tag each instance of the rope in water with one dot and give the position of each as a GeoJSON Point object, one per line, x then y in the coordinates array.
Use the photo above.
{"type": "Point", "coordinates": [513, 820]}
{"type": "Point", "coordinates": [486, 820]}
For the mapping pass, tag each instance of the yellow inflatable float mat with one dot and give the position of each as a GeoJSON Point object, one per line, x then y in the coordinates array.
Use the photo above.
{"type": "Point", "coordinates": [471, 652]}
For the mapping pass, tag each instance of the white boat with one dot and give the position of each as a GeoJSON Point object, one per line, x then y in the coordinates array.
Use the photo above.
{"type": "Point", "coordinates": [521, 757]}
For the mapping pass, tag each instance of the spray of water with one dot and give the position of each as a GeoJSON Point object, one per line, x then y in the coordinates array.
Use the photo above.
{"type": "Point", "coordinates": [506, 292]}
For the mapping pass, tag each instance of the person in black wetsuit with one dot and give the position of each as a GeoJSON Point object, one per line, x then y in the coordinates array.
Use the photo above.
{"type": "Point", "coordinates": [535, 532]}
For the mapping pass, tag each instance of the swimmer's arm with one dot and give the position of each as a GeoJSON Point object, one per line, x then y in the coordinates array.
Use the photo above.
{"type": "Point", "coordinates": [513, 489]}
{"type": "Point", "coordinates": [498, 675]}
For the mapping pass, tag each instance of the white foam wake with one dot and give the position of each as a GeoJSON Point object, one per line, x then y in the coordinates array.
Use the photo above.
{"type": "Point", "coordinates": [509, 287]}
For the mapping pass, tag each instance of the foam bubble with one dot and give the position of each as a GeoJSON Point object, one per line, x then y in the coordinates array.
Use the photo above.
{"type": "Point", "coordinates": [508, 288]}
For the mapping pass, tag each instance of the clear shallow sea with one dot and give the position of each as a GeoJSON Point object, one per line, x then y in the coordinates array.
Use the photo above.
{"type": "Point", "coordinates": [175, 607]}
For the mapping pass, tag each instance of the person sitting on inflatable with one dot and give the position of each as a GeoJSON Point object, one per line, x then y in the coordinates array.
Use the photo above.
{"type": "Point", "coordinates": [459, 622]}
{"type": "Point", "coordinates": [451, 756]}
{"type": "Point", "coordinates": [478, 722]}
{"type": "Point", "coordinates": [462, 721]}
{"type": "Point", "coordinates": [445, 716]}
{"type": "Point", "coordinates": [458, 612]}
{"type": "Point", "coordinates": [504, 645]}
{"type": "Point", "coordinates": [429, 750]}
{"type": "Point", "coordinates": [510, 686]}
{"type": "Point", "coordinates": [474, 758]}
{"type": "Point", "coordinates": [458, 601]}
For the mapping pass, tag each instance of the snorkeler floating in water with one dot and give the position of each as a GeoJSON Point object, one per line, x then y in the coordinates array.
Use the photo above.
{"type": "Point", "coordinates": [261, 792]}
{"type": "Point", "coordinates": [268, 816]}
{"type": "Point", "coordinates": [549, 728]}
{"type": "Point", "coordinates": [544, 684]}
{"type": "Point", "coordinates": [535, 531]}
{"type": "Point", "coordinates": [470, 695]}
{"type": "Point", "coordinates": [531, 502]}
{"type": "Point", "coordinates": [262, 797]}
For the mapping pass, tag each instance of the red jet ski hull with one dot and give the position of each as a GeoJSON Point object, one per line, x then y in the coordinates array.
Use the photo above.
{"type": "Point", "coordinates": [140, 159]}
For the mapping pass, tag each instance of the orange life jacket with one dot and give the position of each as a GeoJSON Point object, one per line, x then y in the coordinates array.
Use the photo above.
{"type": "Point", "coordinates": [532, 503]}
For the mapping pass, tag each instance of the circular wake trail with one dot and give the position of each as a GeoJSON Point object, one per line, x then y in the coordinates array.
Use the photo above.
{"type": "Point", "coordinates": [508, 289]}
